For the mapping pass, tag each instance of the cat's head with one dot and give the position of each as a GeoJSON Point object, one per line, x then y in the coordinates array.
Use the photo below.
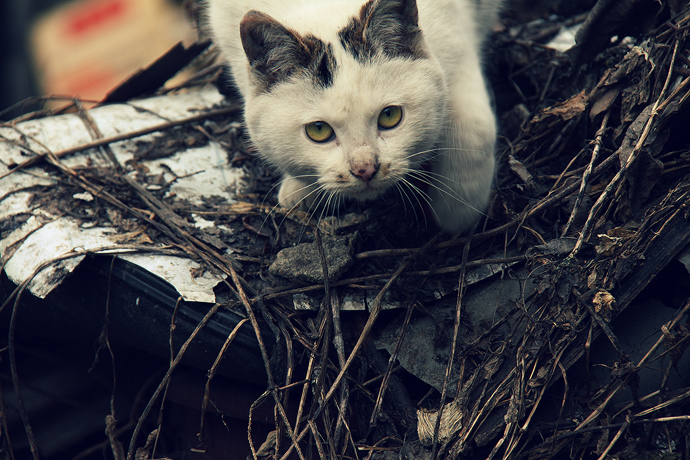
{"type": "Point", "coordinates": [353, 110]}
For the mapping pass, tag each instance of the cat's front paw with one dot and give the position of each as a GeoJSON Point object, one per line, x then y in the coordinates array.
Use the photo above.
{"type": "Point", "coordinates": [294, 194]}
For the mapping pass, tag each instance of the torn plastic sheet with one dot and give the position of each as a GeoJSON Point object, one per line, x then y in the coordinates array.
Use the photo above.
{"type": "Point", "coordinates": [421, 341]}
{"type": "Point", "coordinates": [47, 247]}
{"type": "Point", "coordinates": [487, 305]}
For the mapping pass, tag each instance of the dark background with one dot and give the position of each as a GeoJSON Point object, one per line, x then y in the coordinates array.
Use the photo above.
{"type": "Point", "coordinates": [17, 80]}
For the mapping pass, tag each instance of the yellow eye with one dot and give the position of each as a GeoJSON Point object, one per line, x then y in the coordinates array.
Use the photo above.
{"type": "Point", "coordinates": [390, 117]}
{"type": "Point", "coordinates": [319, 131]}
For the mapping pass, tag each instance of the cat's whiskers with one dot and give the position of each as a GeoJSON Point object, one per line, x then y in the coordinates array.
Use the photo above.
{"type": "Point", "coordinates": [438, 151]}
{"type": "Point", "coordinates": [418, 192]}
{"type": "Point", "coordinates": [316, 192]}
{"type": "Point", "coordinates": [403, 187]}
{"type": "Point", "coordinates": [263, 203]}
{"type": "Point", "coordinates": [432, 180]}
{"type": "Point", "coordinates": [278, 184]}
{"type": "Point", "coordinates": [320, 205]}
{"type": "Point", "coordinates": [325, 202]}
{"type": "Point", "coordinates": [324, 206]}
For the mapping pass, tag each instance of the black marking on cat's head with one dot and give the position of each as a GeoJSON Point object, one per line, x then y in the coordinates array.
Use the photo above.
{"type": "Point", "coordinates": [277, 53]}
{"type": "Point", "coordinates": [389, 27]}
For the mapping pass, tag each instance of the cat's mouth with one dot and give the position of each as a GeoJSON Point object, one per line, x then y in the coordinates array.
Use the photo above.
{"type": "Point", "coordinates": [365, 191]}
{"type": "Point", "coordinates": [364, 186]}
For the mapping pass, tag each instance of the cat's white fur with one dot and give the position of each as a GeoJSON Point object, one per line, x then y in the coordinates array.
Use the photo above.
{"type": "Point", "coordinates": [447, 118]}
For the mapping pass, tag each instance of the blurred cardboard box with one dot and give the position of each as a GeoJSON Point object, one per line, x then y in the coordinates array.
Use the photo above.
{"type": "Point", "coordinates": [86, 47]}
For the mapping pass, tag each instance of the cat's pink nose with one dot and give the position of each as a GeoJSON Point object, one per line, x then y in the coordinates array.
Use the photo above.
{"type": "Point", "coordinates": [365, 171]}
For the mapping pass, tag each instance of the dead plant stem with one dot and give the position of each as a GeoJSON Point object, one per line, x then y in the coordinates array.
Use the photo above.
{"type": "Point", "coordinates": [454, 343]}
{"type": "Point", "coordinates": [618, 435]}
{"type": "Point", "coordinates": [615, 183]}
{"type": "Point", "coordinates": [166, 378]}
{"type": "Point", "coordinates": [670, 325]}
{"type": "Point", "coordinates": [212, 373]}
{"type": "Point", "coordinates": [391, 364]}
{"type": "Point", "coordinates": [587, 173]}
{"type": "Point", "coordinates": [334, 309]}
{"type": "Point", "coordinates": [264, 354]}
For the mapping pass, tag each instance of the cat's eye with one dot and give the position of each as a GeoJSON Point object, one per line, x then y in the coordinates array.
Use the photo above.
{"type": "Point", "coordinates": [390, 117]}
{"type": "Point", "coordinates": [319, 131]}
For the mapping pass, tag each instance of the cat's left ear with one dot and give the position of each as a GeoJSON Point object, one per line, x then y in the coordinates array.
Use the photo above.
{"type": "Point", "coordinates": [390, 27]}
{"type": "Point", "coordinates": [393, 27]}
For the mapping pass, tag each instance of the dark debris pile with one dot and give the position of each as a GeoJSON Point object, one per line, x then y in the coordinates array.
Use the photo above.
{"type": "Point", "coordinates": [589, 216]}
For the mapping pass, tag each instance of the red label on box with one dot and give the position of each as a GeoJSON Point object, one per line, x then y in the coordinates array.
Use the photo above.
{"type": "Point", "coordinates": [94, 15]}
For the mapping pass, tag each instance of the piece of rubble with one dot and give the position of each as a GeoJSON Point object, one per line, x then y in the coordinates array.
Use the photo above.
{"type": "Point", "coordinates": [303, 262]}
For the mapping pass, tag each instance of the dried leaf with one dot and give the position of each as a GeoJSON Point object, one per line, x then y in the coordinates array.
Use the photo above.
{"type": "Point", "coordinates": [115, 445]}
{"type": "Point", "coordinates": [451, 423]}
{"type": "Point", "coordinates": [492, 365]}
{"type": "Point", "coordinates": [604, 303]}
{"type": "Point", "coordinates": [604, 102]}
{"type": "Point", "coordinates": [518, 168]}
{"type": "Point", "coordinates": [608, 245]}
{"type": "Point", "coordinates": [559, 113]}
{"type": "Point", "coordinates": [269, 446]}
{"type": "Point", "coordinates": [144, 452]}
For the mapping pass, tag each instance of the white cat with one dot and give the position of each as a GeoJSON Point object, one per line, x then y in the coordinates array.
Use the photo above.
{"type": "Point", "coordinates": [351, 99]}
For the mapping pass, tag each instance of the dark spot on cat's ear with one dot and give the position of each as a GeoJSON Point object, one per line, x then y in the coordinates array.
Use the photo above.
{"type": "Point", "coordinates": [276, 53]}
{"type": "Point", "coordinates": [389, 27]}
{"type": "Point", "coordinates": [322, 64]}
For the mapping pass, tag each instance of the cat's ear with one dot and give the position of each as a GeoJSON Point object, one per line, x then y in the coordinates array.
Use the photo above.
{"type": "Point", "coordinates": [275, 52]}
{"type": "Point", "coordinates": [390, 27]}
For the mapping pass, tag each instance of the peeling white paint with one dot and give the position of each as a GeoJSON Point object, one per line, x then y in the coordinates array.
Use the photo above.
{"type": "Point", "coordinates": [31, 252]}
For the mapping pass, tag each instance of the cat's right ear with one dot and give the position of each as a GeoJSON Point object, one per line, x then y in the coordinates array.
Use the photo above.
{"type": "Point", "coordinates": [274, 52]}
